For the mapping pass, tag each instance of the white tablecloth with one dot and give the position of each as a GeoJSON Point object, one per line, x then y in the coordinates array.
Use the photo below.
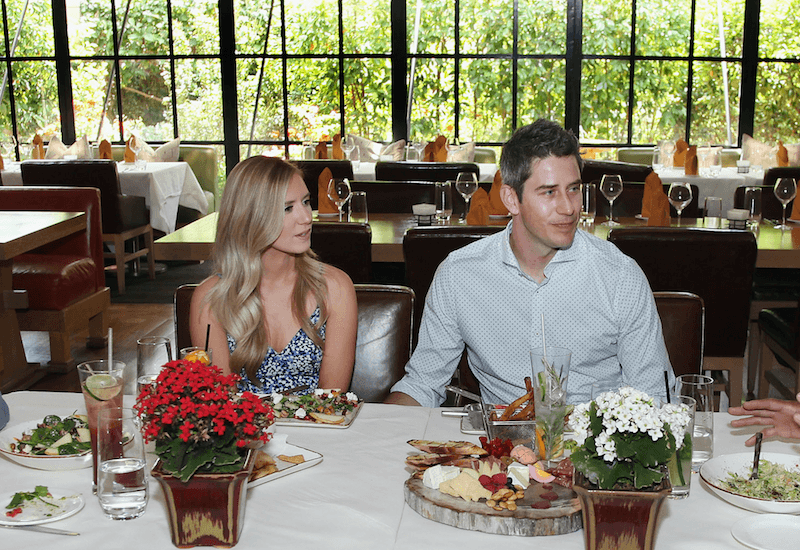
{"type": "Point", "coordinates": [723, 186]}
{"type": "Point", "coordinates": [164, 186]}
{"type": "Point", "coordinates": [365, 171]}
{"type": "Point", "coordinates": [354, 498]}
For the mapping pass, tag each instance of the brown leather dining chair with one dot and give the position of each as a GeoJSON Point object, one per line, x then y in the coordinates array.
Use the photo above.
{"type": "Point", "coordinates": [125, 217]}
{"type": "Point", "coordinates": [392, 197]}
{"type": "Point", "coordinates": [345, 245]}
{"type": "Point", "coordinates": [718, 266]}
{"type": "Point", "coordinates": [683, 326]}
{"type": "Point", "coordinates": [423, 171]}
{"type": "Point", "coordinates": [313, 168]}
{"type": "Point", "coordinates": [779, 330]}
{"type": "Point", "coordinates": [594, 170]}
{"type": "Point", "coordinates": [383, 340]}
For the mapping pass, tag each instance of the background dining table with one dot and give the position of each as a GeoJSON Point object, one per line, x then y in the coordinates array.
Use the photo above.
{"type": "Point", "coordinates": [164, 185]}
{"type": "Point", "coordinates": [354, 497]}
{"type": "Point", "coordinates": [723, 185]}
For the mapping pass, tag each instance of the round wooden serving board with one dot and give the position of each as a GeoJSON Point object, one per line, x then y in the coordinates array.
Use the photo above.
{"type": "Point", "coordinates": [564, 515]}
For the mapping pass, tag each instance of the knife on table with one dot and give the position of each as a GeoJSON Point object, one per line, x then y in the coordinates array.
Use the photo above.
{"type": "Point", "coordinates": [42, 529]}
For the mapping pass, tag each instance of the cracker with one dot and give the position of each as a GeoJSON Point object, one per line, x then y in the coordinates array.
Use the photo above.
{"type": "Point", "coordinates": [295, 459]}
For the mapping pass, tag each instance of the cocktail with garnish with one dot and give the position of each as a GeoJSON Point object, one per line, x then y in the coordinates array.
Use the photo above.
{"type": "Point", "coordinates": [550, 369]}
{"type": "Point", "coordinates": [101, 384]}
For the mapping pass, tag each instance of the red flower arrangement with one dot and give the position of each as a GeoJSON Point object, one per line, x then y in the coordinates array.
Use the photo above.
{"type": "Point", "coordinates": [199, 421]}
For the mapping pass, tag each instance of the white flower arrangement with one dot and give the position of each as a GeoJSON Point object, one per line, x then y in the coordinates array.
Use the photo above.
{"type": "Point", "coordinates": [624, 438]}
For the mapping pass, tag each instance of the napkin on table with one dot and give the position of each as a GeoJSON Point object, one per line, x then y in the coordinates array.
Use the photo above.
{"type": "Point", "coordinates": [655, 205]}
{"type": "Point", "coordinates": [321, 150]}
{"type": "Point", "coordinates": [38, 147]}
{"type": "Point", "coordinates": [2, 164]}
{"type": "Point", "coordinates": [436, 151]}
{"type": "Point", "coordinates": [337, 151]}
{"type": "Point", "coordinates": [679, 158]}
{"type": "Point", "coordinates": [496, 206]}
{"type": "Point", "coordinates": [795, 210]}
{"type": "Point", "coordinates": [782, 155]}
{"type": "Point", "coordinates": [130, 156]}
{"type": "Point", "coordinates": [104, 150]}
{"type": "Point", "coordinates": [479, 208]}
{"type": "Point", "coordinates": [690, 161]}
{"type": "Point", "coordinates": [325, 204]}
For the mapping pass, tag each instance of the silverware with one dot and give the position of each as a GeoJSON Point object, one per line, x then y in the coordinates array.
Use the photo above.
{"type": "Point", "coordinates": [463, 393]}
{"type": "Point", "coordinates": [757, 454]}
{"type": "Point", "coordinates": [295, 389]}
{"type": "Point", "coordinates": [42, 529]}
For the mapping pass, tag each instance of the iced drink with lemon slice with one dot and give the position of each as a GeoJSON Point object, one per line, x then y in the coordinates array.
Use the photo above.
{"type": "Point", "coordinates": [196, 353]}
{"type": "Point", "coordinates": [101, 383]}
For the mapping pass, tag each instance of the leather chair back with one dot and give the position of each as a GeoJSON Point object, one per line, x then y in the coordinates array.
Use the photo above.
{"type": "Point", "coordinates": [682, 323]}
{"type": "Point", "coordinates": [423, 171]}
{"type": "Point", "coordinates": [424, 248]}
{"type": "Point", "coordinates": [313, 168]}
{"type": "Point", "coordinates": [594, 170]}
{"type": "Point", "coordinates": [383, 341]}
{"type": "Point", "coordinates": [64, 199]}
{"type": "Point", "coordinates": [117, 214]}
{"type": "Point", "coordinates": [629, 203]}
{"type": "Point", "coordinates": [347, 246]}
{"type": "Point", "coordinates": [717, 265]}
{"type": "Point", "coordinates": [771, 208]}
{"type": "Point", "coordinates": [391, 197]}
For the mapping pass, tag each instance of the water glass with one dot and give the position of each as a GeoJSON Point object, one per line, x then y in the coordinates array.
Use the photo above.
{"type": "Point", "coordinates": [604, 385]}
{"type": "Point", "coordinates": [680, 462]}
{"type": "Point", "coordinates": [101, 384]}
{"type": "Point", "coordinates": [701, 388]}
{"type": "Point", "coordinates": [152, 353]}
{"type": "Point", "coordinates": [715, 161]}
{"type": "Point", "coordinates": [658, 163]}
{"type": "Point", "coordinates": [589, 202]}
{"type": "Point", "coordinates": [713, 212]}
{"type": "Point", "coordinates": [122, 486]}
{"type": "Point", "coordinates": [444, 200]}
{"type": "Point", "coordinates": [358, 207]}
{"type": "Point", "coordinates": [752, 203]}
{"type": "Point", "coordinates": [550, 368]}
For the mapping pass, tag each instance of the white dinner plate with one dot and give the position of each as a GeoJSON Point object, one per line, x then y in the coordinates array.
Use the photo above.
{"type": "Point", "coordinates": [69, 506]}
{"type": "Point", "coordinates": [640, 217]}
{"type": "Point", "coordinates": [767, 531]}
{"type": "Point", "coordinates": [328, 215]}
{"type": "Point", "coordinates": [279, 446]}
{"type": "Point", "coordinates": [10, 434]}
{"type": "Point", "coordinates": [499, 216]}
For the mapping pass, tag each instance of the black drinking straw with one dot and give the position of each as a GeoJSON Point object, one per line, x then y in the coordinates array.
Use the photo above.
{"type": "Point", "coordinates": [208, 332]}
{"type": "Point", "coordinates": [666, 384]}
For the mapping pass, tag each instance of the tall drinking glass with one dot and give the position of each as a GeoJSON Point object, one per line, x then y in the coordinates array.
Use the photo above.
{"type": "Point", "coordinates": [339, 192]}
{"type": "Point", "coordinates": [680, 461]}
{"type": "Point", "coordinates": [588, 202]}
{"type": "Point", "coordinates": [152, 353]}
{"type": "Point", "coordinates": [785, 191]}
{"type": "Point", "coordinates": [466, 185]}
{"type": "Point", "coordinates": [101, 384]}
{"type": "Point", "coordinates": [444, 200]}
{"type": "Point", "coordinates": [611, 188]}
{"type": "Point", "coordinates": [122, 487]}
{"type": "Point", "coordinates": [752, 203]}
{"type": "Point", "coordinates": [550, 368]}
{"type": "Point", "coordinates": [701, 388]}
{"type": "Point", "coordinates": [658, 162]}
{"type": "Point", "coordinates": [679, 195]}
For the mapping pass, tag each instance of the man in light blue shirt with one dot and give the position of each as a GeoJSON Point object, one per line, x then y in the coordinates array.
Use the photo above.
{"type": "Point", "coordinates": [4, 413]}
{"type": "Point", "coordinates": [497, 295]}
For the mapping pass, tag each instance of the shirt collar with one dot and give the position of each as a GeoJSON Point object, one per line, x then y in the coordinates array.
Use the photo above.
{"type": "Point", "coordinates": [562, 255]}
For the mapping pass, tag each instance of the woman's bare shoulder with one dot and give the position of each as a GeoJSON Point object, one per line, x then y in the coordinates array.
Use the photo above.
{"type": "Point", "coordinates": [204, 288]}
{"type": "Point", "coordinates": [337, 281]}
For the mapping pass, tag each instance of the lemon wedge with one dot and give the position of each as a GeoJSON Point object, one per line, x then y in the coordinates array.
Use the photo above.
{"type": "Point", "coordinates": [200, 356]}
{"type": "Point", "coordinates": [103, 386]}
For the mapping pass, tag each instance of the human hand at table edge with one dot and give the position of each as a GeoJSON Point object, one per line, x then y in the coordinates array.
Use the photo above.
{"type": "Point", "coordinates": [783, 416]}
{"type": "Point", "coordinates": [400, 398]}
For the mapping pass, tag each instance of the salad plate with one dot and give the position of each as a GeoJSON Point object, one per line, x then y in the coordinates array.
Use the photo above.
{"type": "Point", "coordinates": [278, 446]}
{"type": "Point", "coordinates": [767, 531]}
{"type": "Point", "coordinates": [323, 408]}
{"type": "Point", "coordinates": [718, 469]}
{"type": "Point", "coordinates": [348, 420]}
{"type": "Point", "coordinates": [9, 436]}
{"type": "Point", "coordinates": [64, 507]}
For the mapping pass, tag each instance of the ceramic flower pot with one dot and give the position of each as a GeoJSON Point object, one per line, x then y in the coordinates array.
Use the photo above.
{"type": "Point", "coordinates": [623, 520]}
{"type": "Point", "coordinates": [208, 510]}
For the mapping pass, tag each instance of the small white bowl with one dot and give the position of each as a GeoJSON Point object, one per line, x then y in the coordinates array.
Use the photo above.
{"type": "Point", "coordinates": [717, 469]}
{"type": "Point", "coordinates": [54, 463]}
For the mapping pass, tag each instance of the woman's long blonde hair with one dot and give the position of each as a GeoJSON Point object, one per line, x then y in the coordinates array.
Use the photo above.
{"type": "Point", "coordinates": [250, 220]}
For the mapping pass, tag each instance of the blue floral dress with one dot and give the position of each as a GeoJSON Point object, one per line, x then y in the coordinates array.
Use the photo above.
{"type": "Point", "coordinates": [297, 365]}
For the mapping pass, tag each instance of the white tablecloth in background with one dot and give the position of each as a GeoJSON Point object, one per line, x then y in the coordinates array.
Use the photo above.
{"type": "Point", "coordinates": [164, 186]}
{"type": "Point", "coordinates": [723, 186]}
{"type": "Point", "coordinates": [354, 498]}
{"type": "Point", "coordinates": [365, 171]}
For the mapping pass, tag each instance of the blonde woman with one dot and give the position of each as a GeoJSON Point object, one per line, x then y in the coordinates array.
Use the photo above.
{"type": "Point", "coordinates": [278, 316]}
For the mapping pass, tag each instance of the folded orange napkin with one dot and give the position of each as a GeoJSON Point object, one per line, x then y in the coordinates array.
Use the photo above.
{"type": "Point", "coordinates": [104, 150]}
{"type": "Point", "coordinates": [655, 205]}
{"type": "Point", "coordinates": [496, 206]}
{"type": "Point", "coordinates": [2, 164]}
{"type": "Point", "coordinates": [782, 155]}
{"type": "Point", "coordinates": [38, 147]}
{"type": "Point", "coordinates": [336, 151]}
{"type": "Point", "coordinates": [325, 204]}
{"type": "Point", "coordinates": [679, 158]}
{"type": "Point", "coordinates": [321, 150]}
{"type": "Point", "coordinates": [436, 151]}
{"type": "Point", "coordinates": [479, 208]}
{"type": "Point", "coordinates": [795, 211]}
{"type": "Point", "coordinates": [130, 156]}
{"type": "Point", "coordinates": [690, 161]}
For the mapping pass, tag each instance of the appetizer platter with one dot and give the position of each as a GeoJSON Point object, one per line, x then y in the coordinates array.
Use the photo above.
{"type": "Point", "coordinates": [319, 409]}
{"type": "Point", "coordinates": [278, 458]}
{"type": "Point", "coordinates": [495, 488]}
{"type": "Point", "coordinates": [57, 442]}
{"type": "Point", "coordinates": [38, 506]}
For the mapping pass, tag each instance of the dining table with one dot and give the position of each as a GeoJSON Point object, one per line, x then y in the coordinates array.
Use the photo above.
{"type": "Point", "coordinates": [195, 241]}
{"type": "Point", "coordinates": [722, 185]}
{"type": "Point", "coordinates": [24, 231]}
{"type": "Point", "coordinates": [354, 497]}
{"type": "Point", "coordinates": [164, 186]}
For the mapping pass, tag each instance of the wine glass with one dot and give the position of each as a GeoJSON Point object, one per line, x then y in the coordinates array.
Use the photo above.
{"type": "Point", "coordinates": [785, 190]}
{"type": "Point", "coordinates": [466, 185]}
{"type": "Point", "coordinates": [419, 147]}
{"type": "Point", "coordinates": [680, 195]}
{"type": "Point", "coordinates": [339, 192]}
{"type": "Point", "coordinates": [136, 146]}
{"type": "Point", "coordinates": [9, 146]}
{"type": "Point", "coordinates": [347, 146]}
{"type": "Point", "coordinates": [611, 188]}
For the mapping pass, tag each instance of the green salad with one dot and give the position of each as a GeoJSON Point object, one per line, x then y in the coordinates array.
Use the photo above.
{"type": "Point", "coordinates": [56, 436]}
{"type": "Point", "coordinates": [774, 482]}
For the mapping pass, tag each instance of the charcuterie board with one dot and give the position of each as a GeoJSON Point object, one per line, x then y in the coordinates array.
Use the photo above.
{"type": "Point", "coordinates": [564, 515]}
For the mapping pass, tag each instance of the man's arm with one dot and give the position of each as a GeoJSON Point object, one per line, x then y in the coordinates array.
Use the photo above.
{"type": "Point", "coordinates": [400, 398]}
{"type": "Point", "coordinates": [783, 416]}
